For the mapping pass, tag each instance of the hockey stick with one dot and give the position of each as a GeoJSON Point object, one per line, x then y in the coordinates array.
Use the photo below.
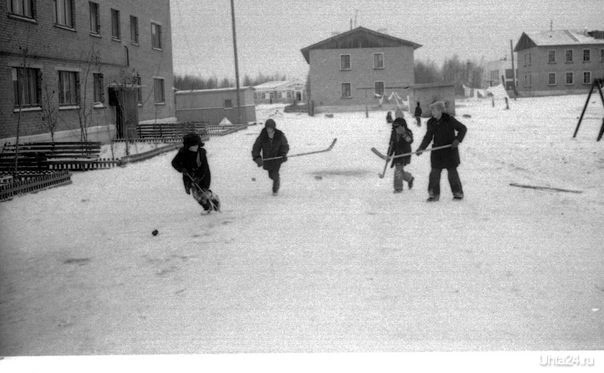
{"type": "Point", "coordinates": [202, 190]}
{"type": "Point", "coordinates": [307, 153]}
{"type": "Point", "coordinates": [386, 164]}
{"type": "Point", "coordinates": [379, 154]}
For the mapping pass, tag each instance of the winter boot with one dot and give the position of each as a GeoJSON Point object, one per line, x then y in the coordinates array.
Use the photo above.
{"type": "Point", "coordinates": [432, 198]}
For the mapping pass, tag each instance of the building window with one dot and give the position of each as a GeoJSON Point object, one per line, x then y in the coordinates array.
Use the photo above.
{"type": "Point", "coordinates": [509, 74]}
{"type": "Point", "coordinates": [378, 60]}
{"type": "Point", "coordinates": [64, 13]}
{"type": "Point", "coordinates": [26, 87]}
{"type": "Point", "coordinates": [602, 55]}
{"type": "Point", "coordinates": [551, 56]}
{"type": "Point", "coordinates": [139, 90]}
{"type": "Point", "coordinates": [551, 79]}
{"type": "Point", "coordinates": [379, 88]}
{"type": "Point", "coordinates": [115, 24]}
{"type": "Point", "coordinates": [156, 36]}
{"type": "Point", "coordinates": [228, 103]}
{"type": "Point", "coordinates": [23, 8]}
{"type": "Point", "coordinates": [528, 80]}
{"type": "Point", "coordinates": [95, 24]}
{"type": "Point", "coordinates": [69, 86]}
{"type": "Point", "coordinates": [345, 62]}
{"type": "Point", "coordinates": [346, 90]}
{"type": "Point", "coordinates": [98, 88]}
{"type": "Point", "coordinates": [134, 29]}
{"type": "Point", "coordinates": [158, 90]}
{"type": "Point", "coordinates": [570, 78]}
{"type": "Point", "coordinates": [569, 56]}
{"type": "Point", "coordinates": [587, 77]}
{"type": "Point", "coordinates": [527, 59]}
{"type": "Point", "coordinates": [586, 55]}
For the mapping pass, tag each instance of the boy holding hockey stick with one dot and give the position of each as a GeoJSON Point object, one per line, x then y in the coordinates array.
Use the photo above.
{"type": "Point", "coordinates": [400, 143]}
{"type": "Point", "coordinates": [192, 162]}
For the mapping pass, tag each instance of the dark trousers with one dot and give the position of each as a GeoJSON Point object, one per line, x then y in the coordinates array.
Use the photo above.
{"type": "Point", "coordinates": [273, 174]}
{"type": "Point", "coordinates": [454, 182]}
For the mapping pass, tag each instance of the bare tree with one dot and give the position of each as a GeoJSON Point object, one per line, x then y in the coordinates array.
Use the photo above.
{"type": "Point", "coordinates": [85, 109]}
{"type": "Point", "coordinates": [50, 110]}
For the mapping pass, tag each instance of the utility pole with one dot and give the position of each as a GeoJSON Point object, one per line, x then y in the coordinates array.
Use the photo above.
{"type": "Point", "coordinates": [513, 70]}
{"type": "Point", "coordinates": [236, 62]}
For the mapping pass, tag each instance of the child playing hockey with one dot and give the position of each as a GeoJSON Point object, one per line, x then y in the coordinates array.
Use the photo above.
{"type": "Point", "coordinates": [400, 143]}
{"type": "Point", "coordinates": [191, 161]}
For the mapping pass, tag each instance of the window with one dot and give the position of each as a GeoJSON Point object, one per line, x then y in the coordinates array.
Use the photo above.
{"type": "Point", "coordinates": [509, 74]}
{"type": "Point", "coordinates": [228, 103]}
{"type": "Point", "coordinates": [346, 90]}
{"type": "Point", "coordinates": [139, 90]}
{"type": "Point", "coordinates": [156, 36]}
{"type": "Point", "coordinates": [379, 88]}
{"type": "Point", "coordinates": [64, 13]}
{"type": "Point", "coordinates": [587, 77]}
{"type": "Point", "coordinates": [99, 89]}
{"type": "Point", "coordinates": [602, 55]}
{"type": "Point", "coordinates": [26, 87]}
{"type": "Point", "coordinates": [134, 29]}
{"type": "Point", "coordinates": [551, 79]}
{"type": "Point", "coordinates": [527, 80]}
{"type": "Point", "coordinates": [378, 60]}
{"type": "Point", "coordinates": [586, 55]}
{"type": "Point", "coordinates": [69, 87]}
{"type": "Point", "coordinates": [158, 90]}
{"type": "Point", "coordinates": [527, 59]}
{"type": "Point", "coordinates": [23, 8]}
{"type": "Point", "coordinates": [570, 78]}
{"type": "Point", "coordinates": [569, 56]}
{"type": "Point", "coordinates": [95, 24]}
{"type": "Point", "coordinates": [551, 56]}
{"type": "Point", "coordinates": [345, 62]}
{"type": "Point", "coordinates": [115, 24]}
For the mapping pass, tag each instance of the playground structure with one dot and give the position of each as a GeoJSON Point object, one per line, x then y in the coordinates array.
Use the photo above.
{"type": "Point", "coordinates": [597, 84]}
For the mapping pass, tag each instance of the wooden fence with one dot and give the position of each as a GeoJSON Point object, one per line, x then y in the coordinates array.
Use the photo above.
{"type": "Point", "coordinates": [33, 184]}
{"type": "Point", "coordinates": [170, 129]}
{"type": "Point", "coordinates": [84, 164]}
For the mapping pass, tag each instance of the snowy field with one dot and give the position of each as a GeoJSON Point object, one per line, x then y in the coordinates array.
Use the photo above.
{"type": "Point", "coordinates": [334, 263]}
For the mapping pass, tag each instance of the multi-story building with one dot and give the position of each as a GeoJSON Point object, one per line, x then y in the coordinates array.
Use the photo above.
{"type": "Point", "coordinates": [350, 68]}
{"type": "Point", "coordinates": [103, 65]}
{"type": "Point", "coordinates": [559, 61]}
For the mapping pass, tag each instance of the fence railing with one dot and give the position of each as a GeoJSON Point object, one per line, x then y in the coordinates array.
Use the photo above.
{"type": "Point", "coordinates": [34, 184]}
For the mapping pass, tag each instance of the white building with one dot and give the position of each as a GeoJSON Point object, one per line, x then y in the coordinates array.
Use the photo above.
{"type": "Point", "coordinates": [279, 91]}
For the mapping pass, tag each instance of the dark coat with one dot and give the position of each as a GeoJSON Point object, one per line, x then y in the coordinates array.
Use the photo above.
{"type": "Point", "coordinates": [443, 132]}
{"type": "Point", "coordinates": [196, 165]}
{"type": "Point", "coordinates": [418, 111]}
{"type": "Point", "coordinates": [275, 147]}
{"type": "Point", "coordinates": [398, 145]}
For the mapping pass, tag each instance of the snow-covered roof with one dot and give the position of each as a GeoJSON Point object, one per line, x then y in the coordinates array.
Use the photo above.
{"type": "Point", "coordinates": [277, 85]}
{"type": "Point", "coordinates": [189, 91]}
{"type": "Point", "coordinates": [555, 38]}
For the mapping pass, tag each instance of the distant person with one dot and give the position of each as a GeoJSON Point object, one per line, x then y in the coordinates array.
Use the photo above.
{"type": "Point", "coordinates": [418, 114]}
{"type": "Point", "coordinates": [271, 143]}
{"type": "Point", "coordinates": [389, 117]}
{"type": "Point", "coordinates": [443, 129]}
{"type": "Point", "coordinates": [192, 162]}
{"type": "Point", "coordinates": [400, 143]}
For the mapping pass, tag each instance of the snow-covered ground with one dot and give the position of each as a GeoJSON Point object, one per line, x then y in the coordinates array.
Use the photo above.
{"type": "Point", "coordinates": [337, 263]}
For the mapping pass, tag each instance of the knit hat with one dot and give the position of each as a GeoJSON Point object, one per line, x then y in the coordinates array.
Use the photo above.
{"type": "Point", "coordinates": [270, 123]}
{"type": "Point", "coordinates": [399, 122]}
{"type": "Point", "coordinates": [191, 139]}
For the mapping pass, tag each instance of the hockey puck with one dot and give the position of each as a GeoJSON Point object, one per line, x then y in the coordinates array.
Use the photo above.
{"type": "Point", "coordinates": [155, 232]}
{"type": "Point", "coordinates": [319, 177]}
{"type": "Point", "coordinates": [253, 179]}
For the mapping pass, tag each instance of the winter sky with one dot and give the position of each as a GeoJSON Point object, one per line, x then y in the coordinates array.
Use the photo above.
{"type": "Point", "coordinates": [270, 33]}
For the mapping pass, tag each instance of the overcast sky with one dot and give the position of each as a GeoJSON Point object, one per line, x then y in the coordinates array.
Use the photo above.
{"type": "Point", "coordinates": [270, 33]}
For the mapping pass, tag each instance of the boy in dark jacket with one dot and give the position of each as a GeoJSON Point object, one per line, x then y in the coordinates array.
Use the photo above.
{"type": "Point", "coordinates": [192, 162]}
{"type": "Point", "coordinates": [443, 129]}
{"type": "Point", "coordinates": [400, 143]}
{"type": "Point", "coordinates": [271, 143]}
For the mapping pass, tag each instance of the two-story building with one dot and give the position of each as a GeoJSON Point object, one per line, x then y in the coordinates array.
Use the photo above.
{"type": "Point", "coordinates": [350, 68]}
{"type": "Point", "coordinates": [559, 61]}
{"type": "Point", "coordinates": [93, 64]}
{"type": "Point", "coordinates": [279, 91]}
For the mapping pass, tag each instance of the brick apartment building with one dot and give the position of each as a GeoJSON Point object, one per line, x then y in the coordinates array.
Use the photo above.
{"type": "Point", "coordinates": [107, 61]}
{"type": "Point", "coordinates": [559, 61]}
{"type": "Point", "coordinates": [348, 68]}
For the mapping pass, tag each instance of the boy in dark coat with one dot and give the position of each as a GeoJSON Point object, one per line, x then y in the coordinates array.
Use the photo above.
{"type": "Point", "coordinates": [400, 143]}
{"type": "Point", "coordinates": [192, 162]}
{"type": "Point", "coordinates": [271, 143]}
{"type": "Point", "coordinates": [418, 115]}
{"type": "Point", "coordinates": [443, 129]}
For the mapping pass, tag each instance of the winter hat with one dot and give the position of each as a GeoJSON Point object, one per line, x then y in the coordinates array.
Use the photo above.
{"type": "Point", "coordinates": [191, 139]}
{"type": "Point", "coordinates": [438, 104]}
{"type": "Point", "coordinates": [270, 123]}
{"type": "Point", "coordinates": [399, 122]}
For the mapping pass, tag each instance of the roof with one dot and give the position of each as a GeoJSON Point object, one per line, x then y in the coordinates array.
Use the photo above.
{"type": "Point", "coordinates": [557, 37]}
{"type": "Point", "coordinates": [278, 84]}
{"type": "Point", "coordinates": [432, 85]}
{"type": "Point", "coordinates": [359, 37]}
{"type": "Point", "coordinates": [189, 91]}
